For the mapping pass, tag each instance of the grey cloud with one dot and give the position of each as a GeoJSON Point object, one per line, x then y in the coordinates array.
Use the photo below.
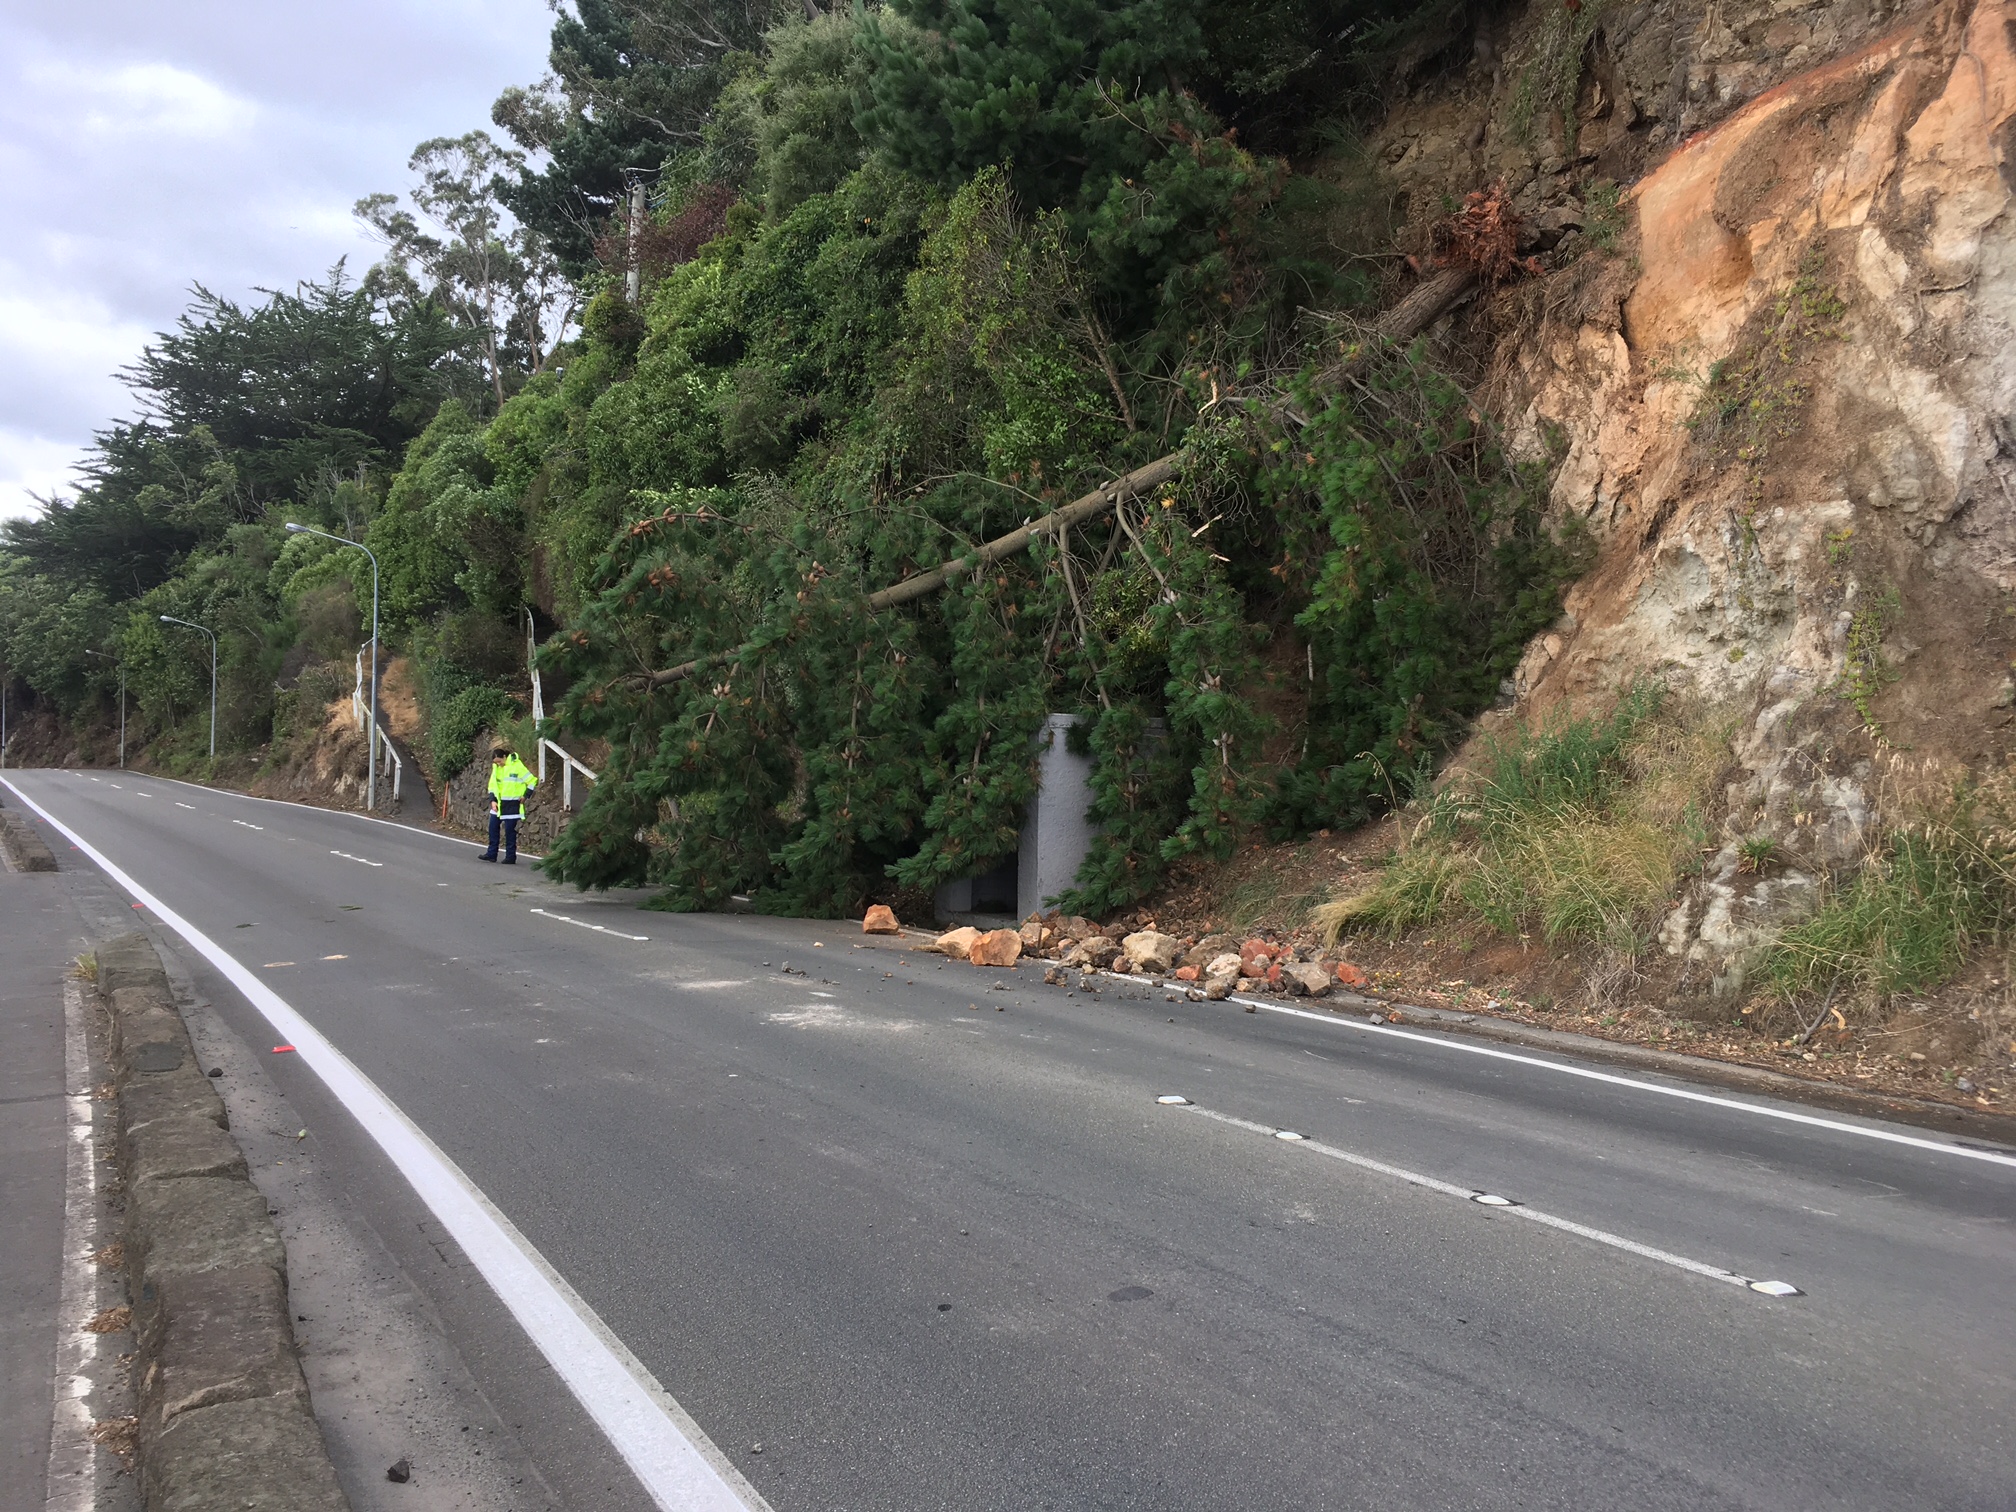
{"type": "Point", "coordinates": [148, 147]}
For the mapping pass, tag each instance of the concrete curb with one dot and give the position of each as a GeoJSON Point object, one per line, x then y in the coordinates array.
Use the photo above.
{"type": "Point", "coordinates": [224, 1414]}
{"type": "Point", "coordinates": [26, 849]}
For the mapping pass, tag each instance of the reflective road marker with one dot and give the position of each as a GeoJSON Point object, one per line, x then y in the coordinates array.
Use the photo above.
{"type": "Point", "coordinates": [1493, 1200]}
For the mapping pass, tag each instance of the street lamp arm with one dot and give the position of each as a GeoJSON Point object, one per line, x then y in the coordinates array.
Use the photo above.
{"type": "Point", "coordinates": [170, 619]}
{"type": "Point", "coordinates": [371, 749]}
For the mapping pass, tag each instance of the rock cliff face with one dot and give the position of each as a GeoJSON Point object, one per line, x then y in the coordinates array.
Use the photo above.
{"type": "Point", "coordinates": [1779, 379]}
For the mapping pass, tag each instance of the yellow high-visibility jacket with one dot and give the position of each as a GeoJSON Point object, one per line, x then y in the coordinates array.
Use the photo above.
{"type": "Point", "coordinates": [511, 779]}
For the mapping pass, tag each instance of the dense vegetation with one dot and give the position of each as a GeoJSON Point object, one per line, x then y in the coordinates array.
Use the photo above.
{"type": "Point", "coordinates": [909, 277]}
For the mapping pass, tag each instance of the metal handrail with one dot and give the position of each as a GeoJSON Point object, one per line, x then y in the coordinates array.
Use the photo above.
{"type": "Point", "coordinates": [569, 767]}
{"type": "Point", "coordinates": [393, 765]}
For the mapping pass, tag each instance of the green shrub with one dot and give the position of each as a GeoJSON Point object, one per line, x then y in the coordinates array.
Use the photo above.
{"type": "Point", "coordinates": [458, 721]}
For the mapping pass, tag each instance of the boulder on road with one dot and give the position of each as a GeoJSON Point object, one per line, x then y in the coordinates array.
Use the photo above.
{"type": "Point", "coordinates": [880, 919]}
{"type": "Point", "coordinates": [997, 947]}
{"type": "Point", "coordinates": [1226, 964]}
{"type": "Point", "coordinates": [1099, 951]}
{"type": "Point", "coordinates": [1219, 984]}
{"type": "Point", "coordinates": [956, 942]}
{"type": "Point", "coordinates": [1305, 979]}
{"type": "Point", "coordinates": [1151, 950]}
{"type": "Point", "coordinates": [1207, 950]}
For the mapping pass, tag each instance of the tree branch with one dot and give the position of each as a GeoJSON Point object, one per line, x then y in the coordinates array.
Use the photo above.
{"type": "Point", "coordinates": [1404, 321]}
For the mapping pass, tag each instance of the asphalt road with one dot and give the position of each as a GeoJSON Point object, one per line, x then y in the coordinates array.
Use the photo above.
{"type": "Point", "coordinates": [933, 1245]}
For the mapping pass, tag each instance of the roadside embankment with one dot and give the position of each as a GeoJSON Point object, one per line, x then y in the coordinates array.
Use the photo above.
{"type": "Point", "coordinates": [224, 1412]}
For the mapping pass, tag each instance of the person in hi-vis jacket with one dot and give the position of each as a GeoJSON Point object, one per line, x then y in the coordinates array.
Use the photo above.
{"type": "Point", "coordinates": [509, 783]}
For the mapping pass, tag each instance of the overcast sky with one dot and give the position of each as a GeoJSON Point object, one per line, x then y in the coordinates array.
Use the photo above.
{"type": "Point", "coordinates": [147, 146]}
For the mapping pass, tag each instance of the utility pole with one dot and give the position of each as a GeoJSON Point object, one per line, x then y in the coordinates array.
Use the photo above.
{"type": "Point", "coordinates": [371, 751]}
{"type": "Point", "coordinates": [106, 656]}
{"type": "Point", "coordinates": [634, 279]}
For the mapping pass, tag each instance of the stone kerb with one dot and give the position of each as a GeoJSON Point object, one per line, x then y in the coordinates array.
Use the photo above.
{"type": "Point", "coordinates": [224, 1412]}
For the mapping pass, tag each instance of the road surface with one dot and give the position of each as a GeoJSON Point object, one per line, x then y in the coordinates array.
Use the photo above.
{"type": "Point", "coordinates": [933, 1244]}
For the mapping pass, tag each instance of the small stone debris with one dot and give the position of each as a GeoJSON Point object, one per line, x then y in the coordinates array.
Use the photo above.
{"type": "Point", "coordinates": [880, 919]}
{"type": "Point", "coordinates": [215, 1071]}
{"type": "Point", "coordinates": [400, 1473]}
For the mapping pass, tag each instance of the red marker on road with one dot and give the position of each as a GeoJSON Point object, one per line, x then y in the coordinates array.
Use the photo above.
{"type": "Point", "coordinates": [282, 1049]}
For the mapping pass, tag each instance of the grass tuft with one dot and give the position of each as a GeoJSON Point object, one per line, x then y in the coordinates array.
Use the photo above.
{"type": "Point", "coordinates": [1575, 830]}
{"type": "Point", "coordinates": [1940, 884]}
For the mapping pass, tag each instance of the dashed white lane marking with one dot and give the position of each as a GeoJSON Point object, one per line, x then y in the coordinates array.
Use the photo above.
{"type": "Point", "coordinates": [138, 794]}
{"type": "Point", "coordinates": [1491, 1200]}
{"type": "Point", "coordinates": [72, 1457]}
{"type": "Point", "coordinates": [248, 824]}
{"type": "Point", "coordinates": [670, 1454]}
{"type": "Point", "coordinates": [1686, 1094]}
{"type": "Point", "coordinates": [328, 813]}
{"type": "Point", "coordinates": [584, 924]}
{"type": "Point", "coordinates": [180, 804]}
{"type": "Point", "coordinates": [358, 859]}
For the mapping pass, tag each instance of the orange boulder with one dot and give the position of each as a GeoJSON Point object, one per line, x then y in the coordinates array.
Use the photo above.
{"type": "Point", "coordinates": [998, 947]}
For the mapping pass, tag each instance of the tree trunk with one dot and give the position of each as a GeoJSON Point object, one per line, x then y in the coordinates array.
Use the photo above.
{"type": "Point", "coordinates": [1427, 303]}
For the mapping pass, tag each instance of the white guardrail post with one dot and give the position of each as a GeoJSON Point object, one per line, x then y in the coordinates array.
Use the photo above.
{"type": "Point", "coordinates": [568, 767]}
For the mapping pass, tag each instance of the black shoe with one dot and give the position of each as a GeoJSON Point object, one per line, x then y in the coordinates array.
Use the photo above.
{"type": "Point", "coordinates": [510, 860]}
{"type": "Point", "coordinates": [486, 858]}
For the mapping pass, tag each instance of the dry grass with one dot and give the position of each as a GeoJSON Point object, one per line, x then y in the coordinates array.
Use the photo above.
{"type": "Point", "coordinates": [1937, 884]}
{"type": "Point", "coordinates": [1576, 831]}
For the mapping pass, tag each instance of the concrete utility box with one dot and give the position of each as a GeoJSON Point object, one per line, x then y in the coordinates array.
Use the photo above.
{"type": "Point", "coordinates": [1055, 837]}
{"type": "Point", "coordinates": [1055, 832]}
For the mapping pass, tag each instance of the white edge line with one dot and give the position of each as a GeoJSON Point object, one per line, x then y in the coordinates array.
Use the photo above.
{"type": "Point", "coordinates": [1338, 1021]}
{"type": "Point", "coordinates": [669, 1453]}
{"type": "Point", "coordinates": [73, 1461]}
{"type": "Point", "coordinates": [1467, 1194]}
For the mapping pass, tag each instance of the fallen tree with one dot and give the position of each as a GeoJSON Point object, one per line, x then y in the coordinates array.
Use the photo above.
{"type": "Point", "coordinates": [1422, 307]}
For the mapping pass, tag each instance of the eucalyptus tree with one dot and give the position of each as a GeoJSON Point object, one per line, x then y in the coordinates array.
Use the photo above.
{"type": "Point", "coordinates": [458, 245]}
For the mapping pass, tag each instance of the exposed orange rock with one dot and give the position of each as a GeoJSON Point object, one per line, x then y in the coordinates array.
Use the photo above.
{"type": "Point", "coordinates": [997, 947]}
{"type": "Point", "coordinates": [956, 942]}
{"type": "Point", "coordinates": [880, 919]}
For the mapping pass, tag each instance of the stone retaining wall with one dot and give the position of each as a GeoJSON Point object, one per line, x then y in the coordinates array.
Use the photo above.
{"type": "Point", "coordinates": [224, 1413]}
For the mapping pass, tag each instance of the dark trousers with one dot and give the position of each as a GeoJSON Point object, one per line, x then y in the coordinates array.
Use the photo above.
{"type": "Point", "coordinates": [508, 823]}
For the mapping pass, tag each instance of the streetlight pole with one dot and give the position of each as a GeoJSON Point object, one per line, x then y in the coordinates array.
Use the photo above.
{"type": "Point", "coordinates": [169, 619]}
{"type": "Point", "coordinates": [107, 656]}
{"type": "Point", "coordinates": [371, 750]}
